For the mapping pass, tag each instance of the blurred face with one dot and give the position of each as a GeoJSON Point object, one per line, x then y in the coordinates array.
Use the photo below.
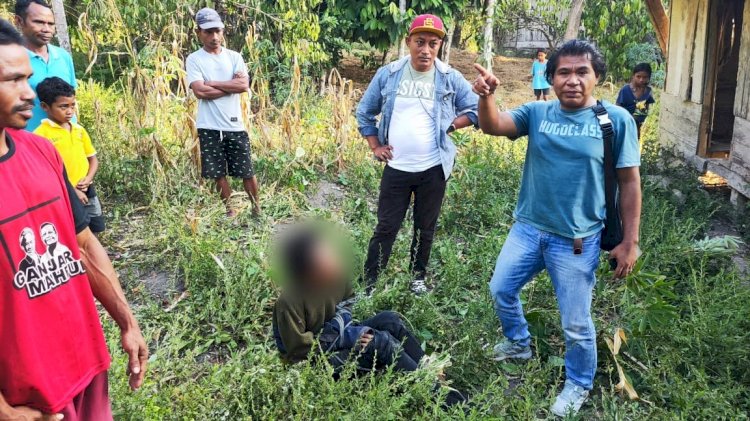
{"type": "Point", "coordinates": [62, 110]}
{"type": "Point", "coordinates": [328, 268]}
{"type": "Point", "coordinates": [541, 56]}
{"type": "Point", "coordinates": [423, 48]}
{"type": "Point", "coordinates": [16, 96]}
{"type": "Point", "coordinates": [49, 235]}
{"type": "Point", "coordinates": [38, 27]}
{"type": "Point", "coordinates": [574, 82]}
{"type": "Point", "coordinates": [211, 39]}
{"type": "Point", "coordinates": [641, 79]}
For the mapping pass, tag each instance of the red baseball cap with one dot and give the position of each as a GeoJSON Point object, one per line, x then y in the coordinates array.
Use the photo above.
{"type": "Point", "coordinates": [427, 23]}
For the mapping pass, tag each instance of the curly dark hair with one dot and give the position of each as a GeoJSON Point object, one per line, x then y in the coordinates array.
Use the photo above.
{"type": "Point", "coordinates": [575, 48]}
{"type": "Point", "coordinates": [8, 34]}
{"type": "Point", "coordinates": [52, 88]}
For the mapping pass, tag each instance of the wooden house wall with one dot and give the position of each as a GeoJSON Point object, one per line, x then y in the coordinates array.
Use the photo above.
{"type": "Point", "coordinates": [681, 101]}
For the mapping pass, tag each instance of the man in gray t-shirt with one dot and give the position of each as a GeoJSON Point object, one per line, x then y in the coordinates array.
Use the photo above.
{"type": "Point", "coordinates": [218, 76]}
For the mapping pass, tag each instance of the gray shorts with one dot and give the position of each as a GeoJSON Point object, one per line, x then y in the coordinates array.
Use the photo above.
{"type": "Point", "coordinates": [96, 217]}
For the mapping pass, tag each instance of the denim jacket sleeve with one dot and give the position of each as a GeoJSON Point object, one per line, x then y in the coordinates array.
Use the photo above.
{"type": "Point", "coordinates": [371, 105]}
{"type": "Point", "coordinates": [466, 101]}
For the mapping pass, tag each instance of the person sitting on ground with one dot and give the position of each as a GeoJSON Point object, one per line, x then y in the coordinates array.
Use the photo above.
{"type": "Point", "coordinates": [72, 141]}
{"type": "Point", "coordinates": [313, 315]}
{"type": "Point", "coordinates": [636, 96]}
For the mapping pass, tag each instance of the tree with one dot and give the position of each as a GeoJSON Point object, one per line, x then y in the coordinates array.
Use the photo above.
{"type": "Point", "coordinates": [487, 49]}
{"type": "Point", "coordinates": [61, 24]}
{"type": "Point", "coordinates": [381, 23]}
{"type": "Point", "coordinates": [544, 16]}
{"type": "Point", "coordinates": [574, 20]}
{"type": "Point", "coordinates": [448, 43]}
{"type": "Point", "coordinates": [617, 31]}
{"type": "Point", "coordinates": [402, 10]}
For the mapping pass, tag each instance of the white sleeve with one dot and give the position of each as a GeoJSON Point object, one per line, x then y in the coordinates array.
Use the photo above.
{"type": "Point", "coordinates": [240, 66]}
{"type": "Point", "coordinates": [194, 73]}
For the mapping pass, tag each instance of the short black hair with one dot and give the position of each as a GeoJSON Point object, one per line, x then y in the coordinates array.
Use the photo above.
{"type": "Point", "coordinates": [22, 6]}
{"type": "Point", "coordinates": [576, 48]}
{"type": "Point", "coordinates": [8, 34]}
{"type": "Point", "coordinates": [541, 50]}
{"type": "Point", "coordinates": [52, 88]}
{"type": "Point", "coordinates": [642, 67]}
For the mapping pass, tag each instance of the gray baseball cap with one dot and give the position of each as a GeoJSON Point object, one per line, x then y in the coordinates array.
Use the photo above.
{"type": "Point", "coordinates": [208, 18]}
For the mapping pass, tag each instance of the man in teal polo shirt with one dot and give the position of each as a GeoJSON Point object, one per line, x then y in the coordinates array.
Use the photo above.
{"type": "Point", "coordinates": [561, 208]}
{"type": "Point", "coordinates": [36, 22]}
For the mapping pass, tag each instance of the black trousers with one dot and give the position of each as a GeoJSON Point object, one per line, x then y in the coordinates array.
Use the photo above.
{"type": "Point", "coordinates": [392, 343]}
{"type": "Point", "coordinates": [396, 190]}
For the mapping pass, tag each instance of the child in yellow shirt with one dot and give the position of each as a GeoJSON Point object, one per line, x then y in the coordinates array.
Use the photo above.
{"type": "Point", "coordinates": [58, 99]}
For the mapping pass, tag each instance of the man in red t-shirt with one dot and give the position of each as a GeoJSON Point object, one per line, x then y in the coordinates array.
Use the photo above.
{"type": "Point", "coordinates": [53, 356]}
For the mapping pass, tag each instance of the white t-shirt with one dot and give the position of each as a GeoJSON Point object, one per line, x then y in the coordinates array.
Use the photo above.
{"type": "Point", "coordinates": [412, 129]}
{"type": "Point", "coordinates": [223, 113]}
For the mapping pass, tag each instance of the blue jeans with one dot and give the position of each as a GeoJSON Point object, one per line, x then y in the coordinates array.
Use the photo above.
{"type": "Point", "coordinates": [526, 252]}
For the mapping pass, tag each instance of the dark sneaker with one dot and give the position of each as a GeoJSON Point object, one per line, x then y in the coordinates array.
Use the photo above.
{"type": "Point", "coordinates": [509, 350]}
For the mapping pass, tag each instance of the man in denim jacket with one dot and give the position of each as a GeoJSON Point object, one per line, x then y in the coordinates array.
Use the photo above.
{"type": "Point", "coordinates": [420, 100]}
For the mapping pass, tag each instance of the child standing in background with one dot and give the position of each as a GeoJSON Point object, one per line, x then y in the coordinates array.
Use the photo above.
{"type": "Point", "coordinates": [636, 95]}
{"type": "Point", "coordinates": [538, 79]}
{"type": "Point", "coordinates": [58, 100]}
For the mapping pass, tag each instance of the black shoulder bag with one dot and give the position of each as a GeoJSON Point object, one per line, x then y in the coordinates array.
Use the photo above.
{"type": "Point", "coordinates": [612, 233]}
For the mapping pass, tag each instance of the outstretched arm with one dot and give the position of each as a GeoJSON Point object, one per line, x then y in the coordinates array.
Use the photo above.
{"type": "Point", "coordinates": [491, 120]}
{"type": "Point", "coordinates": [626, 253]}
{"type": "Point", "coordinates": [106, 288]}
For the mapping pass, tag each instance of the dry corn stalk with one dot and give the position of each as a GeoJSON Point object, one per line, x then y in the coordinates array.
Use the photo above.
{"type": "Point", "coordinates": [614, 345]}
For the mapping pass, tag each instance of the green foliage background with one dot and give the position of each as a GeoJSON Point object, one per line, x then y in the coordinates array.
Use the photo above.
{"type": "Point", "coordinates": [624, 34]}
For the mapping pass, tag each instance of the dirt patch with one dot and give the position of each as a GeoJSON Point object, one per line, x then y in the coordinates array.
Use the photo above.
{"type": "Point", "coordinates": [327, 195]}
{"type": "Point", "coordinates": [162, 285]}
{"type": "Point", "coordinates": [514, 74]}
{"type": "Point", "coordinates": [351, 68]}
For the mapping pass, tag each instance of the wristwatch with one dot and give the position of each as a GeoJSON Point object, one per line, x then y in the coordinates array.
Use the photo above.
{"type": "Point", "coordinates": [451, 129]}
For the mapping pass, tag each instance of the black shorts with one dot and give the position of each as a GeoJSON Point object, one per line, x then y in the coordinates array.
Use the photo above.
{"type": "Point", "coordinates": [539, 92]}
{"type": "Point", "coordinates": [225, 153]}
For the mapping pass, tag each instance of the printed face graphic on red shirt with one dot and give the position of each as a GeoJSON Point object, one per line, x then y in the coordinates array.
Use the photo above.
{"type": "Point", "coordinates": [39, 273]}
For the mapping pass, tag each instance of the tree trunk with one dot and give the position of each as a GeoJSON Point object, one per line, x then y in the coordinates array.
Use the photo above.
{"type": "Point", "coordinates": [61, 25]}
{"type": "Point", "coordinates": [447, 44]}
{"type": "Point", "coordinates": [489, 23]}
{"type": "Point", "coordinates": [574, 20]}
{"type": "Point", "coordinates": [402, 10]}
{"type": "Point", "coordinates": [660, 20]}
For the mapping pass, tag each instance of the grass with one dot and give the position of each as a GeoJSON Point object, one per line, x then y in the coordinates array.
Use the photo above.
{"type": "Point", "coordinates": [685, 312]}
